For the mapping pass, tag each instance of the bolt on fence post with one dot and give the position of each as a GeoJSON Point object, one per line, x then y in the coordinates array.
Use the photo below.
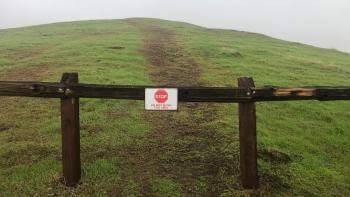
{"type": "Point", "coordinates": [247, 139]}
{"type": "Point", "coordinates": [70, 134]}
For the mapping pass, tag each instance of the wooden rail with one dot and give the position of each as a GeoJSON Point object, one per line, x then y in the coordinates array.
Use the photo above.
{"type": "Point", "coordinates": [246, 94]}
{"type": "Point", "coordinates": [186, 94]}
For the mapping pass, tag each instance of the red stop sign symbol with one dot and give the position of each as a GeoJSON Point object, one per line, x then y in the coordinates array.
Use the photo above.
{"type": "Point", "coordinates": [161, 96]}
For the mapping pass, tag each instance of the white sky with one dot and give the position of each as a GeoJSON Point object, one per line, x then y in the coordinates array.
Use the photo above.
{"type": "Point", "coordinates": [324, 23]}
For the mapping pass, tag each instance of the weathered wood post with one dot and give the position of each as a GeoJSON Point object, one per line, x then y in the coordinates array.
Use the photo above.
{"type": "Point", "coordinates": [70, 133]}
{"type": "Point", "coordinates": [247, 138]}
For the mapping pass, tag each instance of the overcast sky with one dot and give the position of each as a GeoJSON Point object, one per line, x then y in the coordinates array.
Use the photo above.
{"type": "Point", "coordinates": [324, 23]}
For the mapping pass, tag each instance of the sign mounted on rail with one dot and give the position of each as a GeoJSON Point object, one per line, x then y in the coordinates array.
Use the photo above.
{"type": "Point", "coordinates": [161, 98]}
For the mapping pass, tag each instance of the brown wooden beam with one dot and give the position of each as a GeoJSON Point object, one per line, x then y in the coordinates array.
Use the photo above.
{"type": "Point", "coordinates": [186, 94]}
{"type": "Point", "coordinates": [70, 134]}
{"type": "Point", "coordinates": [247, 139]}
{"type": "Point", "coordinates": [31, 89]}
{"type": "Point", "coordinates": [300, 93]}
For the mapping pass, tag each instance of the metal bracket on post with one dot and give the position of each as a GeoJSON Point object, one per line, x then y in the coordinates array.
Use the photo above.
{"type": "Point", "coordinates": [70, 133]}
{"type": "Point", "coordinates": [247, 139]}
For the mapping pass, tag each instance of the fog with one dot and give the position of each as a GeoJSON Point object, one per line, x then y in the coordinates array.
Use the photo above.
{"type": "Point", "coordinates": [323, 23]}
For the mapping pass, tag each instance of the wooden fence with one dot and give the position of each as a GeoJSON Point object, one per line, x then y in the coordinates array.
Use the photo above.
{"type": "Point", "coordinates": [69, 91]}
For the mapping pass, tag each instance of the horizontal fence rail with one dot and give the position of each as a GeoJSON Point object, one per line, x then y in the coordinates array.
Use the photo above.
{"type": "Point", "coordinates": [69, 90]}
{"type": "Point", "coordinates": [186, 94]}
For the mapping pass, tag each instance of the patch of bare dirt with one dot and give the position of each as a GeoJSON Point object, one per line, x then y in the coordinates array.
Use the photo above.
{"type": "Point", "coordinates": [32, 73]}
{"type": "Point", "coordinates": [274, 156]}
{"type": "Point", "coordinates": [26, 155]}
{"type": "Point", "coordinates": [19, 54]}
{"type": "Point", "coordinates": [4, 127]}
{"type": "Point", "coordinates": [117, 47]}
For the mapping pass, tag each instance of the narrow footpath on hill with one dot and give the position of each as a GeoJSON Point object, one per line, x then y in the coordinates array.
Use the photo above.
{"type": "Point", "coordinates": [182, 147]}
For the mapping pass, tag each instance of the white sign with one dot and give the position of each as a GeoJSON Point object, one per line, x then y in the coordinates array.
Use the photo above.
{"type": "Point", "coordinates": [161, 98]}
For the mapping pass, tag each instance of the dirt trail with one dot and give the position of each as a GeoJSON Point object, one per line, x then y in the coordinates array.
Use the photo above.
{"type": "Point", "coordinates": [183, 148]}
{"type": "Point", "coordinates": [168, 64]}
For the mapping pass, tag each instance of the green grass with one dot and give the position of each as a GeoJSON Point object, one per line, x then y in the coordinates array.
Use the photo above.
{"type": "Point", "coordinates": [314, 136]}
{"type": "Point", "coordinates": [34, 124]}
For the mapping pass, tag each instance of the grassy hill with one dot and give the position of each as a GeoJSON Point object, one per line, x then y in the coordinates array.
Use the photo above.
{"type": "Point", "coordinates": [304, 147]}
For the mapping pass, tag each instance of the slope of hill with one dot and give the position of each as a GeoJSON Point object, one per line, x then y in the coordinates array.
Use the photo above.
{"type": "Point", "coordinates": [303, 147]}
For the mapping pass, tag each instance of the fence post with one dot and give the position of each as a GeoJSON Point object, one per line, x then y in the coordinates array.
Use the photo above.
{"type": "Point", "coordinates": [70, 134]}
{"type": "Point", "coordinates": [247, 139]}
